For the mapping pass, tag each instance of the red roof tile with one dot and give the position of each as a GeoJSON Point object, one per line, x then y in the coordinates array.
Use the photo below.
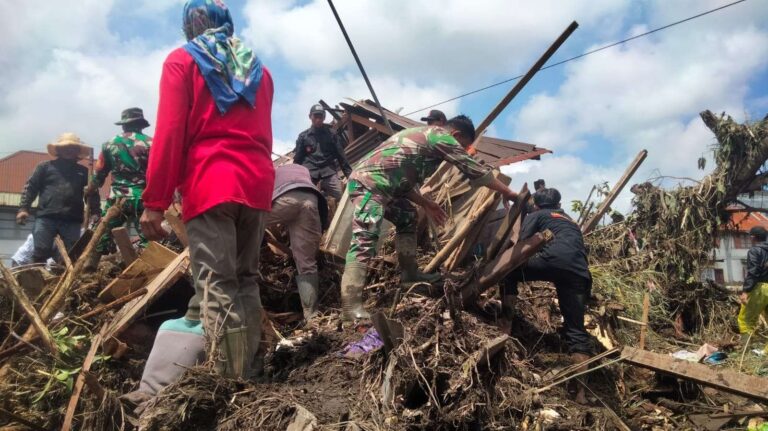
{"type": "Point", "coordinates": [16, 169]}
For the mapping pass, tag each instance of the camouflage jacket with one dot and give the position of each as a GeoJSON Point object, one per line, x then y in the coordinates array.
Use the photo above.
{"type": "Point", "coordinates": [407, 158]}
{"type": "Point", "coordinates": [125, 156]}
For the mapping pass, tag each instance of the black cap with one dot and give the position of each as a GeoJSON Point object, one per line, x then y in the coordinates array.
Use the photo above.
{"type": "Point", "coordinates": [435, 115]}
{"type": "Point", "coordinates": [758, 231]}
{"type": "Point", "coordinates": [317, 109]}
{"type": "Point", "coordinates": [547, 198]}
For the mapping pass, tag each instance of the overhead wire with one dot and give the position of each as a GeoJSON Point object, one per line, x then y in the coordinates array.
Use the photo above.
{"type": "Point", "coordinates": [611, 45]}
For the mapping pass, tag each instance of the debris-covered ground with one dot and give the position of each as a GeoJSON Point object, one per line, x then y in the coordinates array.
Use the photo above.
{"type": "Point", "coordinates": [453, 368]}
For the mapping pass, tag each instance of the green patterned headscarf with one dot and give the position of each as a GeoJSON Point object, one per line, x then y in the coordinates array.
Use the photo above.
{"type": "Point", "coordinates": [231, 70]}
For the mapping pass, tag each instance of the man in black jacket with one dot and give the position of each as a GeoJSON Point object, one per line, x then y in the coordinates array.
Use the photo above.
{"type": "Point", "coordinates": [319, 149]}
{"type": "Point", "coordinates": [59, 185]}
{"type": "Point", "coordinates": [564, 263]}
{"type": "Point", "coordinates": [754, 292]}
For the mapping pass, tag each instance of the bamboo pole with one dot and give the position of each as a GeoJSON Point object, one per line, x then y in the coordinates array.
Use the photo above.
{"type": "Point", "coordinates": [601, 210]}
{"type": "Point", "coordinates": [460, 234]}
{"type": "Point", "coordinates": [30, 311]}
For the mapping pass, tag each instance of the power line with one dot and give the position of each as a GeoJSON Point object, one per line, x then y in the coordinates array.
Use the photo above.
{"type": "Point", "coordinates": [583, 55]}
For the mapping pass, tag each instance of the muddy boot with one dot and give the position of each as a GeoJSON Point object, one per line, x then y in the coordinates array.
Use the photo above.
{"type": "Point", "coordinates": [234, 348]}
{"type": "Point", "coordinates": [256, 353]}
{"type": "Point", "coordinates": [307, 284]}
{"type": "Point", "coordinates": [578, 388]}
{"type": "Point", "coordinates": [352, 283]}
{"type": "Point", "coordinates": [405, 244]}
{"type": "Point", "coordinates": [179, 344]}
{"type": "Point", "coordinates": [507, 313]}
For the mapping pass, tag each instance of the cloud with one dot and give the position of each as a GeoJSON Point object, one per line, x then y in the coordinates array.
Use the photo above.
{"type": "Point", "coordinates": [291, 110]}
{"type": "Point", "coordinates": [420, 41]}
{"type": "Point", "coordinates": [647, 94]}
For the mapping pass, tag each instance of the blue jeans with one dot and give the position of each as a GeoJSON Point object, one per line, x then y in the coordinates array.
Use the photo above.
{"type": "Point", "coordinates": [44, 232]}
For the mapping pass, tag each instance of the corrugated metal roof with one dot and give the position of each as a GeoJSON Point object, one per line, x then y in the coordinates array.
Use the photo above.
{"type": "Point", "coordinates": [494, 151]}
{"type": "Point", "coordinates": [16, 169]}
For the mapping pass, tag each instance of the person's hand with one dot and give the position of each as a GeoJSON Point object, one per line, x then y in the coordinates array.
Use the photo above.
{"type": "Point", "coordinates": [744, 298]}
{"type": "Point", "coordinates": [90, 190]}
{"type": "Point", "coordinates": [94, 218]}
{"type": "Point", "coordinates": [509, 195]}
{"type": "Point", "coordinates": [151, 224]}
{"type": "Point", "coordinates": [21, 217]}
{"type": "Point", "coordinates": [435, 213]}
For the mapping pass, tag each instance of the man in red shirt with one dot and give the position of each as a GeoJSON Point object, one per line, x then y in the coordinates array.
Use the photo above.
{"type": "Point", "coordinates": [213, 143]}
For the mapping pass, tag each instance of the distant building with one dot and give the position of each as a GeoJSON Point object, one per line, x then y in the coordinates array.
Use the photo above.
{"type": "Point", "coordinates": [15, 170]}
{"type": "Point", "coordinates": [730, 263]}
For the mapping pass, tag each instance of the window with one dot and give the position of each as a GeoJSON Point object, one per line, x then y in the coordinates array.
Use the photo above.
{"type": "Point", "coordinates": [742, 240]}
{"type": "Point", "coordinates": [719, 276]}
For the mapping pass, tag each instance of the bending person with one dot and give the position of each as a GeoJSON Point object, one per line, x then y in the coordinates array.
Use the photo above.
{"type": "Point", "coordinates": [385, 183]}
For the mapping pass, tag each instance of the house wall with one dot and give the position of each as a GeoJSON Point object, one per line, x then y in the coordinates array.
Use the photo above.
{"type": "Point", "coordinates": [12, 236]}
{"type": "Point", "coordinates": [730, 257]}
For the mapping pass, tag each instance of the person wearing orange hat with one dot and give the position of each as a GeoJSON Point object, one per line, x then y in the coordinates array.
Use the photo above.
{"type": "Point", "coordinates": [58, 185]}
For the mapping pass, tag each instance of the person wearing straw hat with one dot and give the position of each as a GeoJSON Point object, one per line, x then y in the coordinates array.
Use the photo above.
{"type": "Point", "coordinates": [125, 157]}
{"type": "Point", "coordinates": [58, 185]}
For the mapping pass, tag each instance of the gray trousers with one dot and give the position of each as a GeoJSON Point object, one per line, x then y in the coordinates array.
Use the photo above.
{"type": "Point", "coordinates": [331, 187]}
{"type": "Point", "coordinates": [224, 244]}
{"type": "Point", "coordinates": [297, 211]}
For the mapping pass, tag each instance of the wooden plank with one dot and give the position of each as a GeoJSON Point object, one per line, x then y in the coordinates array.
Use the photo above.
{"type": "Point", "coordinates": [368, 123]}
{"type": "Point", "coordinates": [590, 225]}
{"type": "Point", "coordinates": [63, 251]}
{"type": "Point", "coordinates": [123, 242]}
{"type": "Point", "coordinates": [155, 288]}
{"type": "Point", "coordinates": [500, 241]}
{"type": "Point", "coordinates": [527, 77]}
{"type": "Point", "coordinates": [488, 202]}
{"type": "Point", "coordinates": [29, 310]}
{"type": "Point", "coordinates": [80, 382]}
{"type": "Point", "coordinates": [507, 261]}
{"type": "Point", "coordinates": [390, 331]}
{"type": "Point", "coordinates": [727, 380]}
{"type": "Point", "coordinates": [644, 326]}
{"type": "Point", "coordinates": [173, 217]}
{"type": "Point", "coordinates": [150, 262]}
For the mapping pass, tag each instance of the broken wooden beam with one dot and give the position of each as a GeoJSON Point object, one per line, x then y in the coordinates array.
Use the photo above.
{"type": "Point", "coordinates": [390, 331]}
{"type": "Point", "coordinates": [173, 217]}
{"type": "Point", "coordinates": [150, 262]}
{"type": "Point", "coordinates": [753, 387]}
{"type": "Point", "coordinates": [527, 77]}
{"type": "Point", "coordinates": [507, 261]}
{"type": "Point", "coordinates": [501, 240]}
{"type": "Point", "coordinates": [62, 251]}
{"type": "Point", "coordinates": [488, 202]}
{"type": "Point", "coordinates": [155, 288]}
{"type": "Point", "coordinates": [601, 210]}
{"type": "Point", "coordinates": [644, 326]}
{"type": "Point", "coordinates": [123, 242]}
{"type": "Point", "coordinates": [80, 382]}
{"type": "Point", "coordinates": [29, 310]}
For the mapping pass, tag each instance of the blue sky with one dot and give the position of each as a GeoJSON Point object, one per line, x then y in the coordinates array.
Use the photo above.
{"type": "Point", "coordinates": [73, 65]}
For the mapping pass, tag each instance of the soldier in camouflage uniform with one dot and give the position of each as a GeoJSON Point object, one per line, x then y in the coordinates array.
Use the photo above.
{"type": "Point", "coordinates": [385, 183]}
{"type": "Point", "coordinates": [125, 156]}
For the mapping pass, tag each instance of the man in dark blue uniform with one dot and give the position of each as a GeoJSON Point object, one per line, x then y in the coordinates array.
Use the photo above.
{"type": "Point", "coordinates": [321, 151]}
{"type": "Point", "coordinates": [564, 263]}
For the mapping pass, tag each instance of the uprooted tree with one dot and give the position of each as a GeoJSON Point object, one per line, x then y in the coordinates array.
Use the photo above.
{"type": "Point", "coordinates": [666, 240]}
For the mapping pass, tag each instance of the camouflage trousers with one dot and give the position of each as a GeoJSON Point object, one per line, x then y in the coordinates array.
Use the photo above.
{"type": "Point", "coordinates": [370, 209]}
{"type": "Point", "coordinates": [130, 212]}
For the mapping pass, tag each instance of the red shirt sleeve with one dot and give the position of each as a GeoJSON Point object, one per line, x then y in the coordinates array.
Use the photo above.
{"type": "Point", "coordinates": [166, 159]}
